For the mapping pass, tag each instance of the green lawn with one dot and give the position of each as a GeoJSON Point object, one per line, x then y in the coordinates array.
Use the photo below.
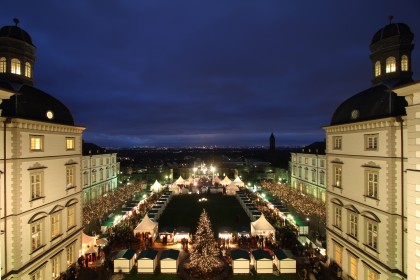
{"type": "Point", "coordinates": [223, 210]}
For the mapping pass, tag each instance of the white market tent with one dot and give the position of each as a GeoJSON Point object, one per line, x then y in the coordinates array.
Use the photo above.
{"type": "Point", "coordinates": [240, 261]}
{"type": "Point", "coordinates": [156, 187]}
{"type": "Point", "coordinates": [262, 261]}
{"type": "Point", "coordinates": [88, 241]}
{"type": "Point", "coordinates": [226, 181]}
{"type": "Point", "coordinates": [124, 260]}
{"type": "Point", "coordinates": [169, 261]}
{"type": "Point", "coordinates": [262, 227]}
{"type": "Point", "coordinates": [147, 226]}
{"type": "Point", "coordinates": [232, 189]}
{"type": "Point", "coordinates": [238, 182]}
{"type": "Point", "coordinates": [174, 189]}
{"type": "Point", "coordinates": [147, 261]}
{"type": "Point", "coordinates": [190, 180]}
{"type": "Point", "coordinates": [180, 181]}
{"type": "Point", "coordinates": [216, 180]}
{"type": "Point", "coordinates": [284, 261]}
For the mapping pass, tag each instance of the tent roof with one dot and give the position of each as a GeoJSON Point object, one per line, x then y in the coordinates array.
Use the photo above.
{"type": "Point", "coordinates": [87, 238]}
{"type": "Point", "coordinates": [146, 224]}
{"type": "Point", "coordinates": [261, 254]}
{"type": "Point", "coordinates": [156, 186]}
{"type": "Point", "coordinates": [283, 254]}
{"type": "Point", "coordinates": [91, 250]}
{"type": "Point", "coordinates": [125, 254]}
{"type": "Point", "coordinates": [170, 254]}
{"type": "Point", "coordinates": [239, 254]}
{"type": "Point", "coordinates": [232, 186]}
{"type": "Point", "coordinates": [180, 180]}
{"type": "Point", "coordinates": [217, 179]}
{"type": "Point", "coordinates": [226, 181]}
{"type": "Point", "coordinates": [262, 224]}
{"type": "Point", "coordinates": [148, 254]}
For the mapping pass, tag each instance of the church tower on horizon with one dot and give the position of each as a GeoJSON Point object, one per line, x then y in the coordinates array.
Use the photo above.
{"type": "Point", "coordinates": [272, 143]}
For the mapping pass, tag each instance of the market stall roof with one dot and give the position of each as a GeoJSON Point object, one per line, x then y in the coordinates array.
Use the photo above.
{"type": "Point", "coordinates": [226, 181]}
{"type": "Point", "coordinates": [91, 250]}
{"type": "Point", "coordinates": [238, 182]}
{"type": "Point", "coordinates": [170, 254]}
{"type": "Point", "coordinates": [148, 254]}
{"type": "Point", "coordinates": [239, 254]}
{"type": "Point", "coordinates": [262, 224]}
{"type": "Point", "coordinates": [261, 254]}
{"type": "Point", "coordinates": [180, 181]}
{"type": "Point", "coordinates": [217, 179]}
{"type": "Point", "coordinates": [125, 254]}
{"type": "Point", "coordinates": [156, 186]}
{"type": "Point", "coordinates": [146, 224]}
{"type": "Point", "coordinates": [87, 239]}
{"type": "Point", "coordinates": [232, 187]}
{"type": "Point", "coordinates": [283, 254]}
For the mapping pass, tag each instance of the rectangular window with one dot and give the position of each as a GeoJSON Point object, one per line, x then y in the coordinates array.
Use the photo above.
{"type": "Point", "coordinates": [107, 160]}
{"type": "Point", "coordinates": [101, 175]}
{"type": "Point", "coordinates": [337, 175]}
{"type": "Point", "coordinates": [3, 65]}
{"type": "Point", "coordinates": [372, 184]}
{"type": "Point", "coordinates": [70, 255]}
{"type": "Point", "coordinates": [322, 163]}
{"type": "Point", "coordinates": [15, 66]}
{"type": "Point", "coordinates": [55, 267]}
{"type": "Point", "coordinates": [371, 142]}
{"type": "Point", "coordinates": [101, 161]}
{"type": "Point", "coordinates": [337, 216]}
{"type": "Point", "coordinates": [71, 216]}
{"type": "Point", "coordinates": [37, 275]}
{"type": "Point", "coordinates": [353, 224]}
{"type": "Point", "coordinates": [37, 143]}
{"type": "Point", "coordinates": [94, 176]}
{"type": "Point", "coordinates": [70, 143]}
{"type": "Point", "coordinates": [372, 234]}
{"type": "Point", "coordinates": [313, 175]}
{"type": "Point", "coordinates": [85, 179]}
{"type": "Point", "coordinates": [321, 178]}
{"type": "Point", "coordinates": [353, 267]}
{"type": "Point", "coordinates": [93, 162]}
{"type": "Point", "coordinates": [70, 176]}
{"type": "Point", "coordinates": [338, 255]}
{"type": "Point", "coordinates": [85, 165]}
{"type": "Point", "coordinates": [36, 185]}
{"type": "Point", "coordinates": [337, 142]}
{"type": "Point", "coordinates": [36, 235]}
{"type": "Point", "coordinates": [372, 275]}
{"type": "Point", "coordinates": [306, 160]}
{"type": "Point", "coordinates": [55, 225]}
{"type": "Point", "coordinates": [306, 173]}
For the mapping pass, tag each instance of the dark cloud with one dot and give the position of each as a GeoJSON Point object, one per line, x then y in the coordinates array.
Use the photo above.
{"type": "Point", "coordinates": [205, 72]}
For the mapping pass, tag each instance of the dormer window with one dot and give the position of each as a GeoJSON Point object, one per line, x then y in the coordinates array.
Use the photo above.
{"type": "Point", "coordinates": [377, 68]}
{"type": "Point", "coordinates": [3, 65]}
{"type": "Point", "coordinates": [404, 63]}
{"type": "Point", "coordinates": [391, 65]}
{"type": "Point", "coordinates": [15, 66]}
{"type": "Point", "coordinates": [28, 70]}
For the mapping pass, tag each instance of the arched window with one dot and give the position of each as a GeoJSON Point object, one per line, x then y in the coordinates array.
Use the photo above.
{"type": "Point", "coordinates": [2, 65]}
{"type": "Point", "coordinates": [28, 70]}
{"type": "Point", "coordinates": [15, 66]}
{"type": "Point", "coordinates": [404, 63]}
{"type": "Point", "coordinates": [390, 64]}
{"type": "Point", "coordinates": [377, 68]}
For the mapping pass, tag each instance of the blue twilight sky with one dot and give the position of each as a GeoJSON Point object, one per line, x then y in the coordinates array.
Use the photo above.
{"type": "Point", "coordinates": [179, 73]}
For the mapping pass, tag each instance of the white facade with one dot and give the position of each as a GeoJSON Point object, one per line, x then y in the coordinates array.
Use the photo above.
{"type": "Point", "coordinates": [309, 174]}
{"type": "Point", "coordinates": [365, 197]}
{"type": "Point", "coordinates": [412, 181]}
{"type": "Point", "coordinates": [99, 175]}
{"type": "Point", "coordinates": [40, 198]}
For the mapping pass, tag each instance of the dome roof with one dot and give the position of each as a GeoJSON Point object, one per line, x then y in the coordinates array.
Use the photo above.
{"type": "Point", "coordinates": [374, 103]}
{"type": "Point", "coordinates": [390, 30]}
{"type": "Point", "coordinates": [15, 32]}
{"type": "Point", "coordinates": [33, 104]}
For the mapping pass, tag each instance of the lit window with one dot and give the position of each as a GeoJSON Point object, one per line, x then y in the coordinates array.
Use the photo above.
{"type": "Point", "coordinates": [300, 172]}
{"type": "Point", "coordinates": [85, 179]}
{"type": "Point", "coordinates": [55, 266]}
{"type": "Point", "coordinates": [353, 267]}
{"type": "Point", "coordinates": [322, 178]}
{"type": "Point", "coordinates": [338, 255]}
{"type": "Point", "coordinates": [36, 185]}
{"type": "Point", "coordinates": [55, 224]}
{"type": "Point", "coordinates": [372, 234]}
{"type": "Point", "coordinates": [377, 68]}
{"type": "Point", "coordinates": [404, 63]}
{"type": "Point", "coordinates": [306, 160]}
{"type": "Point", "coordinates": [36, 234]}
{"type": "Point", "coordinates": [372, 275]}
{"type": "Point", "coordinates": [353, 224]}
{"type": "Point", "coordinates": [71, 216]}
{"type": "Point", "coordinates": [28, 70]}
{"type": "Point", "coordinates": [3, 64]}
{"type": "Point", "coordinates": [372, 178]}
{"type": "Point", "coordinates": [37, 143]}
{"type": "Point", "coordinates": [94, 176]}
{"type": "Point", "coordinates": [37, 275]}
{"type": "Point", "coordinates": [306, 173]}
{"type": "Point", "coordinates": [371, 142]}
{"type": "Point", "coordinates": [313, 175]}
{"type": "Point", "coordinates": [101, 175]}
{"type": "Point", "coordinates": [337, 216]}
{"type": "Point", "coordinates": [15, 63]}
{"type": "Point", "coordinates": [70, 143]}
{"type": "Point", "coordinates": [337, 176]}
{"type": "Point", "coordinates": [390, 65]}
{"type": "Point", "coordinates": [70, 255]}
{"type": "Point", "coordinates": [70, 176]}
{"type": "Point", "coordinates": [337, 142]}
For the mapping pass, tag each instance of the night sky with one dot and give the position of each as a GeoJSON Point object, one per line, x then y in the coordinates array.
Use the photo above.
{"type": "Point", "coordinates": [194, 73]}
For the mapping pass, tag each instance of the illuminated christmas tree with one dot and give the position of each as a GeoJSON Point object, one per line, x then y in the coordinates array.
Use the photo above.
{"type": "Point", "coordinates": [204, 258]}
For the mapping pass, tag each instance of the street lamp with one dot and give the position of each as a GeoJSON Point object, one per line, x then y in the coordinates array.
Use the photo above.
{"type": "Point", "coordinates": [212, 169]}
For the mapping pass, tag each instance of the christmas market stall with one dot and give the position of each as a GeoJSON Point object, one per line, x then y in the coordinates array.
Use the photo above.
{"type": "Point", "coordinates": [240, 261]}
{"type": "Point", "coordinates": [263, 228]}
{"type": "Point", "coordinates": [166, 235]}
{"type": "Point", "coordinates": [181, 233]}
{"type": "Point", "coordinates": [238, 182]}
{"type": "Point", "coordinates": [284, 261]}
{"type": "Point", "coordinates": [169, 261]}
{"type": "Point", "coordinates": [147, 261]}
{"type": "Point", "coordinates": [232, 189]}
{"type": "Point", "coordinates": [262, 261]}
{"type": "Point", "coordinates": [147, 228]}
{"type": "Point", "coordinates": [124, 260]}
{"type": "Point", "coordinates": [156, 187]}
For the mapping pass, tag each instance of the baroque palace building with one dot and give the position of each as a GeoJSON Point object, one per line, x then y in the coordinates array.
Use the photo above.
{"type": "Point", "coordinates": [372, 164]}
{"type": "Point", "coordinates": [308, 171]}
{"type": "Point", "coordinates": [40, 170]}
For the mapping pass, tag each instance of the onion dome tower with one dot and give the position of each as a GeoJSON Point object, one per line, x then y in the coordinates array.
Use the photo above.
{"type": "Point", "coordinates": [17, 55]}
{"type": "Point", "coordinates": [391, 48]}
